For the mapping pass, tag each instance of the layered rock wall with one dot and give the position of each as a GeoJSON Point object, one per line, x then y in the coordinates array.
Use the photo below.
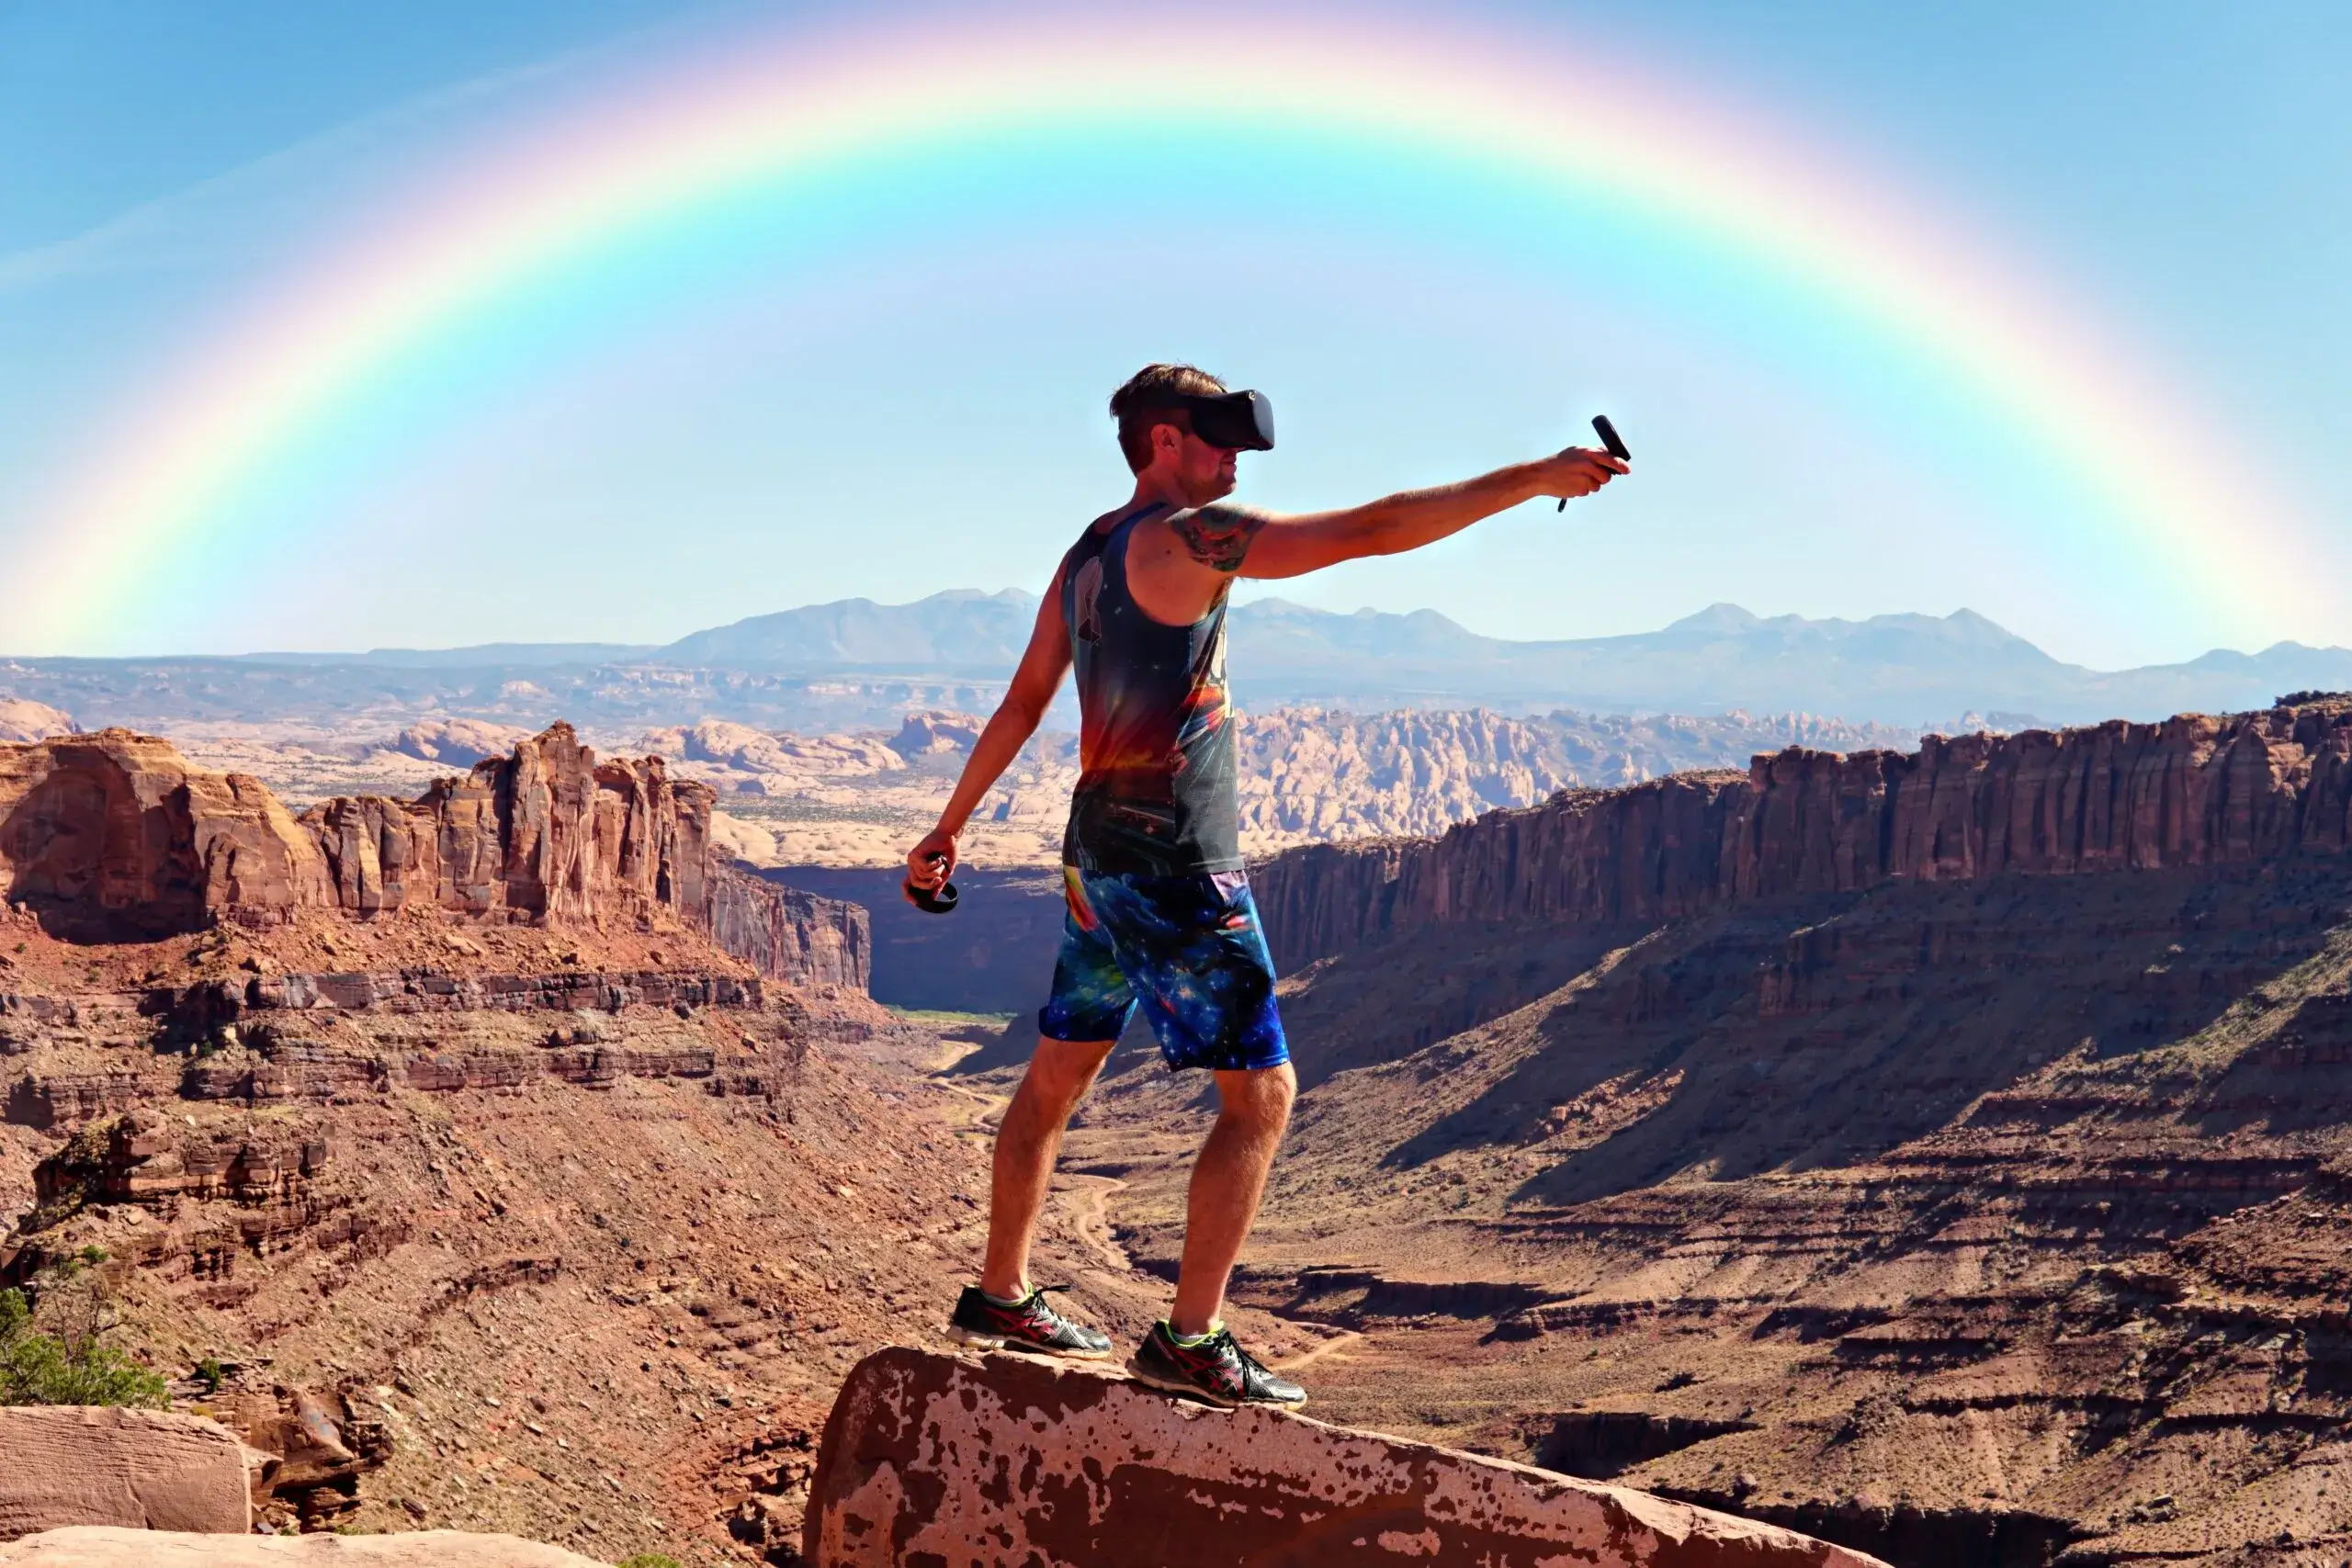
{"type": "Point", "coordinates": [114, 836]}
{"type": "Point", "coordinates": [2193, 791]}
{"type": "Point", "coordinates": [788, 933]}
{"type": "Point", "coordinates": [115, 833]}
{"type": "Point", "coordinates": [546, 832]}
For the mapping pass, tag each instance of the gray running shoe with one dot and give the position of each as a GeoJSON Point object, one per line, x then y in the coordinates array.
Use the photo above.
{"type": "Point", "coordinates": [1027, 1325]}
{"type": "Point", "coordinates": [1218, 1370]}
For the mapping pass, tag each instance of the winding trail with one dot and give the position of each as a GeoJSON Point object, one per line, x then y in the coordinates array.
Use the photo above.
{"type": "Point", "coordinates": [1342, 1341]}
{"type": "Point", "coordinates": [1092, 1218]}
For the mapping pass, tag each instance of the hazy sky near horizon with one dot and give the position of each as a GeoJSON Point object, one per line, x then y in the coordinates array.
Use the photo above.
{"type": "Point", "coordinates": [926, 412]}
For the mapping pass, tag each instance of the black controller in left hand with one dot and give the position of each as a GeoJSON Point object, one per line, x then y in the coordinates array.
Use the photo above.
{"type": "Point", "coordinates": [932, 901]}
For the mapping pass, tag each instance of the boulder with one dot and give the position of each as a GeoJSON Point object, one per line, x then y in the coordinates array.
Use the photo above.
{"type": "Point", "coordinates": [109, 1547]}
{"type": "Point", "coordinates": [956, 1460]}
{"type": "Point", "coordinates": [62, 1465]}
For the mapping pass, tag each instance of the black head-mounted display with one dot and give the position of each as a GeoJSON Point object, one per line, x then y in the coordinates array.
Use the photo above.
{"type": "Point", "coordinates": [1244, 420]}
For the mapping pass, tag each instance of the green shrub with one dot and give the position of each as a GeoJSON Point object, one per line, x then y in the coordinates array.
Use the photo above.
{"type": "Point", "coordinates": [40, 1368]}
{"type": "Point", "coordinates": [208, 1373]}
{"type": "Point", "coordinates": [650, 1560]}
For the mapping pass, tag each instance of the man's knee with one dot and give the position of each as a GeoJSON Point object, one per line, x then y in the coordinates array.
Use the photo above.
{"type": "Point", "coordinates": [1063, 1070]}
{"type": "Point", "coordinates": [1261, 1096]}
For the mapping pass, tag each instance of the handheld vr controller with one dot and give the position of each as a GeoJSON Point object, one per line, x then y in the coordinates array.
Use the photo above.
{"type": "Point", "coordinates": [1609, 439]}
{"type": "Point", "coordinates": [939, 901]}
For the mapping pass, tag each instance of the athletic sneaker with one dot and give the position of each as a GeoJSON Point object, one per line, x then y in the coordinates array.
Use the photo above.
{"type": "Point", "coordinates": [1215, 1369]}
{"type": "Point", "coordinates": [1027, 1325]}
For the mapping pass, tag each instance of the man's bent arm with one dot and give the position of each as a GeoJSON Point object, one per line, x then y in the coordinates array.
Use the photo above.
{"type": "Point", "coordinates": [1016, 718]}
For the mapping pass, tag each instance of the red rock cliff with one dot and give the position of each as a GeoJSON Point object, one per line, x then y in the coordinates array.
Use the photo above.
{"type": "Point", "coordinates": [114, 836]}
{"type": "Point", "coordinates": [788, 933]}
{"type": "Point", "coordinates": [546, 832]}
{"type": "Point", "coordinates": [2192, 791]}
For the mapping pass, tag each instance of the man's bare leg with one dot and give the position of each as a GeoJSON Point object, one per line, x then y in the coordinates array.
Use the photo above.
{"type": "Point", "coordinates": [1028, 1141]}
{"type": "Point", "coordinates": [1228, 1180]}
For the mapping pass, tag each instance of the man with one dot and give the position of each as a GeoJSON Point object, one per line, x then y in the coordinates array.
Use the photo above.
{"type": "Point", "coordinates": [1159, 909]}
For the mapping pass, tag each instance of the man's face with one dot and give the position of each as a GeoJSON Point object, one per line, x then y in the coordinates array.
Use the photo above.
{"type": "Point", "coordinates": [1205, 473]}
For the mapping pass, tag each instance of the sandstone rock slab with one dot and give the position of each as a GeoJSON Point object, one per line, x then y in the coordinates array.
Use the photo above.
{"type": "Point", "coordinates": [62, 1465]}
{"type": "Point", "coordinates": [962, 1460]}
{"type": "Point", "coordinates": [111, 1548]}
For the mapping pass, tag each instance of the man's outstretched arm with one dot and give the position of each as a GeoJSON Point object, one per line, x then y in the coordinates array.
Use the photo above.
{"type": "Point", "coordinates": [1016, 718]}
{"type": "Point", "coordinates": [1186, 560]}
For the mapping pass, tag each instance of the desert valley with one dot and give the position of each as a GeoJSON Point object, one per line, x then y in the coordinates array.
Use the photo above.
{"type": "Point", "coordinates": [1930, 1142]}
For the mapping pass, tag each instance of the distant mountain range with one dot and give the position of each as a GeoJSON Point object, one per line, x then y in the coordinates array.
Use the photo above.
{"type": "Point", "coordinates": [829, 662]}
{"type": "Point", "coordinates": [1907, 670]}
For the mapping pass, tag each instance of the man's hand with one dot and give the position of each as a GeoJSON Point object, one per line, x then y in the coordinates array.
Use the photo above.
{"type": "Point", "coordinates": [931, 862]}
{"type": "Point", "coordinates": [1578, 471]}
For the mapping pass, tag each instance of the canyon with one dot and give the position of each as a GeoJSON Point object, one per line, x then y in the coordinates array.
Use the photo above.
{"type": "Point", "coordinates": [1937, 1151]}
{"type": "Point", "coordinates": [115, 836]}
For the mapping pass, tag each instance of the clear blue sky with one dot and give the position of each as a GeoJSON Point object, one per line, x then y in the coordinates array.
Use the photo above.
{"type": "Point", "coordinates": [2180, 169]}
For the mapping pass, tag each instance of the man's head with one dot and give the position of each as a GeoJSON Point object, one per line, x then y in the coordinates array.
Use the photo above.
{"type": "Point", "coordinates": [1157, 437]}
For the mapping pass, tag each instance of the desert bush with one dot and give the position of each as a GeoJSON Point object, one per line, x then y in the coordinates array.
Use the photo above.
{"type": "Point", "coordinates": [41, 1369]}
{"type": "Point", "coordinates": [651, 1560]}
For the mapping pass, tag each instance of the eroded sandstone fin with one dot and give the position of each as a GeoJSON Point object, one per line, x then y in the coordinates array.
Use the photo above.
{"type": "Point", "coordinates": [962, 1459]}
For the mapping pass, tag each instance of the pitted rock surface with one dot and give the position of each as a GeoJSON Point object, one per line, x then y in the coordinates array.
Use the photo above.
{"type": "Point", "coordinates": [957, 1460]}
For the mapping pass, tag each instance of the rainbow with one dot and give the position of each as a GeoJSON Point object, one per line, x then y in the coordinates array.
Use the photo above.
{"type": "Point", "coordinates": [286, 389]}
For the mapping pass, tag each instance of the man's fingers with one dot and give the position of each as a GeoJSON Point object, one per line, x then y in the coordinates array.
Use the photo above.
{"type": "Point", "coordinates": [927, 868]}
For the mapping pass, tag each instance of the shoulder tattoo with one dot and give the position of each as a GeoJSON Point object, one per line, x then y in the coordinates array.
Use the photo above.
{"type": "Point", "coordinates": [1217, 536]}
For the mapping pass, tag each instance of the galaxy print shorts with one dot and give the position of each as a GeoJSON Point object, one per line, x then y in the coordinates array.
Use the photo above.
{"type": "Point", "coordinates": [1187, 949]}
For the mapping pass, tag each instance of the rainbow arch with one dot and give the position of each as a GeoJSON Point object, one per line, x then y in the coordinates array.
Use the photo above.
{"type": "Point", "coordinates": [282, 381]}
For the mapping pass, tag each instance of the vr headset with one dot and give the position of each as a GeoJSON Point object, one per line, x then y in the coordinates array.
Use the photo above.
{"type": "Point", "coordinates": [1244, 420]}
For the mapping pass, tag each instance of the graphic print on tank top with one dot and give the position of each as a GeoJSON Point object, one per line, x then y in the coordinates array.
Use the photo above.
{"type": "Point", "coordinates": [1155, 794]}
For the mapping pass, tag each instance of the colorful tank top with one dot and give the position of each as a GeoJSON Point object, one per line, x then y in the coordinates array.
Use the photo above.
{"type": "Point", "coordinates": [1155, 793]}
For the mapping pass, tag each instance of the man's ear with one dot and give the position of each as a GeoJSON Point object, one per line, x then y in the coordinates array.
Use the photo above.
{"type": "Point", "coordinates": [1167, 438]}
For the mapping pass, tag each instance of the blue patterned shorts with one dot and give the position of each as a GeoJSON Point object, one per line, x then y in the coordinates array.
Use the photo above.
{"type": "Point", "coordinates": [1186, 948]}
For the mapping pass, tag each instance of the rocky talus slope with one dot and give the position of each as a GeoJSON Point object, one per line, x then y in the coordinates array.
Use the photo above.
{"type": "Point", "coordinates": [1945, 1153]}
